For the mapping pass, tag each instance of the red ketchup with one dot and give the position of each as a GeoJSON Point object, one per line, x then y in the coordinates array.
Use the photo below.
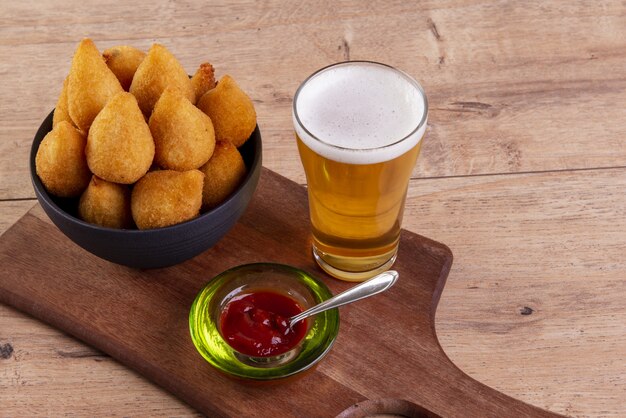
{"type": "Point", "coordinates": [256, 324]}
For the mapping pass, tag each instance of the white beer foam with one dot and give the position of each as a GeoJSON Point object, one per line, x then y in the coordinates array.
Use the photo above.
{"type": "Point", "coordinates": [360, 113]}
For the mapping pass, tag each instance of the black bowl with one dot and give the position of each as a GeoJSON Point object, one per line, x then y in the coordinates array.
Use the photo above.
{"type": "Point", "coordinates": [152, 248]}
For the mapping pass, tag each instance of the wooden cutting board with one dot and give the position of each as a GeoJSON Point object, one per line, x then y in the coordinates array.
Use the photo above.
{"type": "Point", "coordinates": [386, 357]}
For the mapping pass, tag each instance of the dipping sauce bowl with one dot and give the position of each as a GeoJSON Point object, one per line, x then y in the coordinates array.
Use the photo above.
{"type": "Point", "coordinates": [252, 297]}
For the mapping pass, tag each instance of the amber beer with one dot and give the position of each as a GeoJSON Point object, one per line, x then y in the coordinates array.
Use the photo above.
{"type": "Point", "coordinates": [359, 127]}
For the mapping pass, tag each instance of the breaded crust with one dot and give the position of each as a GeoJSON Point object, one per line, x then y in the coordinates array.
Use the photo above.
{"type": "Point", "coordinates": [123, 60]}
{"type": "Point", "coordinates": [166, 197]}
{"type": "Point", "coordinates": [159, 70]}
{"type": "Point", "coordinates": [203, 80]}
{"type": "Point", "coordinates": [91, 85]}
{"type": "Point", "coordinates": [231, 111]}
{"type": "Point", "coordinates": [120, 148]}
{"type": "Point", "coordinates": [106, 204]}
{"type": "Point", "coordinates": [60, 161]}
{"type": "Point", "coordinates": [183, 135]}
{"type": "Point", "coordinates": [224, 172]}
{"type": "Point", "coordinates": [61, 112]}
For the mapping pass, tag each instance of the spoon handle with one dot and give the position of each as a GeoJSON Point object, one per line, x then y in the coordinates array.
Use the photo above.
{"type": "Point", "coordinates": [368, 288]}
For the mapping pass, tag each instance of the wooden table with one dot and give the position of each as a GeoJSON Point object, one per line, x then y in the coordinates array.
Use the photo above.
{"type": "Point", "coordinates": [522, 174]}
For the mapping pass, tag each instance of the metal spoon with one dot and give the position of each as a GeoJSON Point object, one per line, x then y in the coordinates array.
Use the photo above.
{"type": "Point", "coordinates": [368, 288]}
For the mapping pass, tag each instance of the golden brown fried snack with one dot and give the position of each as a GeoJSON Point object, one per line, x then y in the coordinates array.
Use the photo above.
{"type": "Point", "coordinates": [166, 197]}
{"type": "Point", "coordinates": [224, 172]}
{"type": "Point", "coordinates": [60, 162]}
{"type": "Point", "coordinates": [60, 110]}
{"type": "Point", "coordinates": [120, 148]}
{"type": "Point", "coordinates": [91, 85]}
{"type": "Point", "coordinates": [106, 204]}
{"type": "Point", "coordinates": [183, 135]}
{"type": "Point", "coordinates": [123, 60]}
{"type": "Point", "coordinates": [203, 80]}
{"type": "Point", "coordinates": [230, 110]}
{"type": "Point", "coordinates": [157, 71]}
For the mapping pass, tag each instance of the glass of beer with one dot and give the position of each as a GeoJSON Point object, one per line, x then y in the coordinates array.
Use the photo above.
{"type": "Point", "coordinates": [359, 126]}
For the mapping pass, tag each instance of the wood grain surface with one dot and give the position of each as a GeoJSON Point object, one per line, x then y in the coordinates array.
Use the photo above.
{"type": "Point", "coordinates": [141, 317]}
{"type": "Point", "coordinates": [522, 173]}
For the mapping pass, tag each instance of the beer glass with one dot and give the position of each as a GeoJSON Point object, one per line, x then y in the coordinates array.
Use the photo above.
{"type": "Point", "coordinates": [359, 126]}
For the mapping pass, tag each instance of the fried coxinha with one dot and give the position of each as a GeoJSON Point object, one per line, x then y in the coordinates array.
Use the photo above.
{"type": "Point", "coordinates": [139, 143]}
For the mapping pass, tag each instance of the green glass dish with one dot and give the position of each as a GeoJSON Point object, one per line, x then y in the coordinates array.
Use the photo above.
{"type": "Point", "coordinates": [204, 321]}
